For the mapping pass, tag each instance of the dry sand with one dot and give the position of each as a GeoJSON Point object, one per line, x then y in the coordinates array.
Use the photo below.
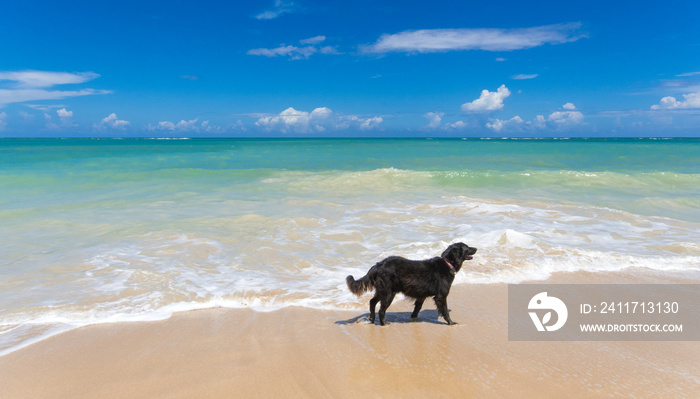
{"type": "Point", "coordinates": [296, 352]}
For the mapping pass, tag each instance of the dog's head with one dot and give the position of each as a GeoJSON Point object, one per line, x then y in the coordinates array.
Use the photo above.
{"type": "Point", "coordinates": [458, 253]}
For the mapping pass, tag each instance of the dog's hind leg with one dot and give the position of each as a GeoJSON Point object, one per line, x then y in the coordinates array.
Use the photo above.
{"type": "Point", "coordinates": [419, 305]}
{"type": "Point", "coordinates": [441, 303]}
{"type": "Point", "coordinates": [372, 307]}
{"type": "Point", "coordinates": [385, 303]}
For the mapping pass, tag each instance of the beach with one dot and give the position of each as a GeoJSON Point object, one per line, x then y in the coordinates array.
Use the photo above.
{"type": "Point", "coordinates": [304, 353]}
{"type": "Point", "coordinates": [216, 267]}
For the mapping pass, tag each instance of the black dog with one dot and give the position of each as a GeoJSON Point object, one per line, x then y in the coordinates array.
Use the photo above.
{"type": "Point", "coordinates": [417, 279]}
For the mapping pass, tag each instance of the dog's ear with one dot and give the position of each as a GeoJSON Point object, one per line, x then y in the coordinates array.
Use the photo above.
{"type": "Point", "coordinates": [453, 254]}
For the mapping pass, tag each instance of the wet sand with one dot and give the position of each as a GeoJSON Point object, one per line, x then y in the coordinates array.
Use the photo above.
{"type": "Point", "coordinates": [306, 353]}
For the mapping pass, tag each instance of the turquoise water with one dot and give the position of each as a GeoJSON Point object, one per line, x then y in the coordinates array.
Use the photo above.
{"type": "Point", "coordinates": [114, 230]}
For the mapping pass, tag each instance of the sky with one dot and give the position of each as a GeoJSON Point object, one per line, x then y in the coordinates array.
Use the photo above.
{"type": "Point", "coordinates": [302, 68]}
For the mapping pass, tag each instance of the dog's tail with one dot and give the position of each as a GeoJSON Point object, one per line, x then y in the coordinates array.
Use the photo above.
{"type": "Point", "coordinates": [359, 287]}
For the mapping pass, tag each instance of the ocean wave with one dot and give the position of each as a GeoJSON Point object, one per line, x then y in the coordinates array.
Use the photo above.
{"type": "Point", "coordinates": [267, 260]}
{"type": "Point", "coordinates": [663, 194]}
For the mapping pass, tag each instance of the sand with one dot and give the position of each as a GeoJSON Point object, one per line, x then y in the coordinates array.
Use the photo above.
{"type": "Point", "coordinates": [306, 353]}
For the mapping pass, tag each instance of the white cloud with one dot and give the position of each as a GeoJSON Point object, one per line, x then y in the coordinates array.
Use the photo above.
{"type": "Point", "coordinates": [524, 76]}
{"type": "Point", "coordinates": [565, 117]}
{"type": "Point", "coordinates": [49, 123]}
{"type": "Point", "coordinates": [488, 101]}
{"type": "Point", "coordinates": [321, 113]}
{"type": "Point", "coordinates": [682, 75]}
{"type": "Point", "coordinates": [296, 121]}
{"type": "Point", "coordinates": [497, 124]}
{"type": "Point", "coordinates": [62, 113]}
{"type": "Point", "coordinates": [441, 40]}
{"type": "Point", "coordinates": [435, 122]}
{"type": "Point", "coordinates": [296, 52]}
{"type": "Point", "coordinates": [558, 120]}
{"type": "Point", "coordinates": [112, 122]}
{"type": "Point", "coordinates": [328, 50]}
{"type": "Point", "coordinates": [43, 79]}
{"type": "Point", "coordinates": [370, 123]}
{"type": "Point", "coordinates": [3, 121]}
{"type": "Point", "coordinates": [319, 120]}
{"type": "Point", "coordinates": [23, 86]}
{"type": "Point", "coordinates": [313, 40]}
{"type": "Point", "coordinates": [64, 117]}
{"type": "Point", "coordinates": [457, 125]}
{"type": "Point", "coordinates": [190, 126]}
{"type": "Point", "coordinates": [435, 119]}
{"type": "Point", "coordinates": [692, 100]}
{"type": "Point", "coordinates": [280, 8]}
{"type": "Point", "coordinates": [24, 95]}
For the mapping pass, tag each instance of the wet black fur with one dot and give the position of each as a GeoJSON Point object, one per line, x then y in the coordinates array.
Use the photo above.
{"type": "Point", "coordinates": [417, 279]}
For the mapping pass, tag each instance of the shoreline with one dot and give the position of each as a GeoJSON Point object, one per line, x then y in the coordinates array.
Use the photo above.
{"type": "Point", "coordinates": [301, 352]}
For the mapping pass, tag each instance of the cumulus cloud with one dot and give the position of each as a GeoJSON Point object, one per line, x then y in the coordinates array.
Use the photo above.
{"type": "Point", "coordinates": [692, 100]}
{"type": "Point", "coordinates": [63, 113]}
{"type": "Point", "coordinates": [311, 47]}
{"type": "Point", "coordinates": [566, 118]}
{"type": "Point", "coordinates": [190, 126]}
{"type": "Point", "coordinates": [442, 40]}
{"type": "Point", "coordinates": [488, 101]}
{"type": "Point", "coordinates": [319, 120]}
{"type": "Point", "coordinates": [280, 8]}
{"type": "Point", "coordinates": [291, 120]}
{"type": "Point", "coordinates": [65, 120]}
{"type": "Point", "coordinates": [435, 119]}
{"type": "Point", "coordinates": [497, 124]}
{"type": "Point", "coordinates": [456, 125]}
{"type": "Point", "coordinates": [3, 121]}
{"type": "Point", "coordinates": [49, 123]}
{"type": "Point", "coordinates": [370, 123]}
{"type": "Point", "coordinates": [23, 86]}
{"type": "Point", "coordinates": [112, 122]}
{"type": "Point", "coordinates": [558, 120]}
{"type": "Point", "coordinates": [435, 122]}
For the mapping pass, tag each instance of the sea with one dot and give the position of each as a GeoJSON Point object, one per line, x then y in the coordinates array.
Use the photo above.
{"type": "Point", "coordinates": [117, 230]}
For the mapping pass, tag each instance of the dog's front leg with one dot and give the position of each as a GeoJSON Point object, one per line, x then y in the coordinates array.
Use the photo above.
{"type": "Point", "coordinates": [441, 303]}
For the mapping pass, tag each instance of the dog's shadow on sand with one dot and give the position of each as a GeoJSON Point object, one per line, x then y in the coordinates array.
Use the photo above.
{"type": "Point", "coordinates": [425, 316]}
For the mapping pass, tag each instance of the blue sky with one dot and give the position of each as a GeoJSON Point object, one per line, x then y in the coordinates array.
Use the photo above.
{"type": "Point", "coordinates": [361, 68]}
